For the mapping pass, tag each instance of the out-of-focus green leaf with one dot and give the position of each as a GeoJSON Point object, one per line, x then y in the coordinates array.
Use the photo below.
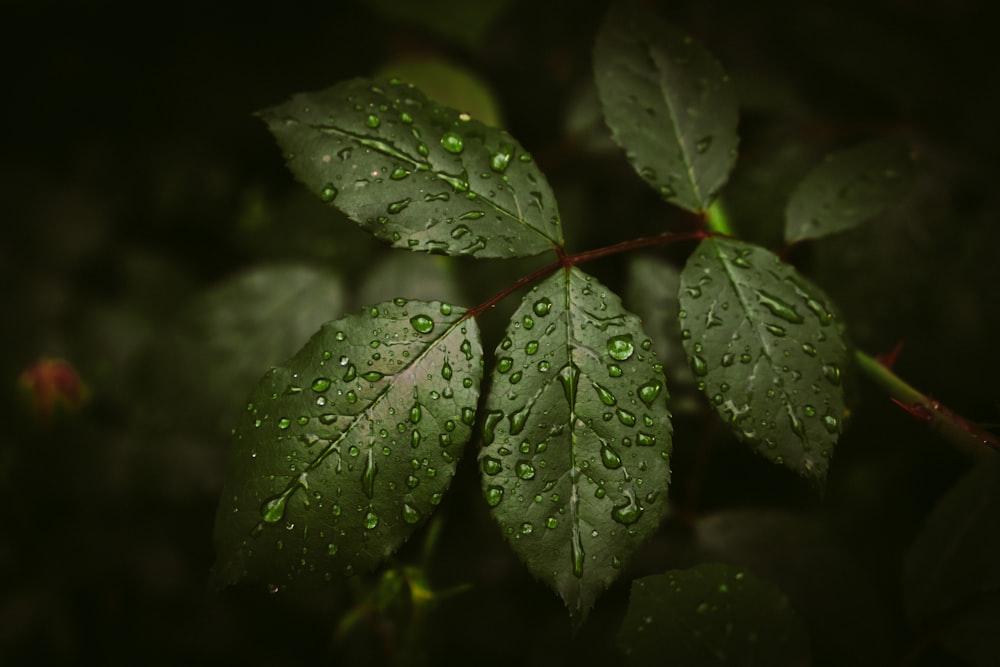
{"type": "Point", "coordinates": [711, 614]}
{"type": "Point", "coordinates": [576, 437]}
{"type": "Point", "coordinates": [848, 188]}
{"type": "Point", "coordinates": [768, 351]}
{"type": "Point", "coordinates": [459, 20]}
{"type": "Point", "coordinates": [951, 575]}
{"type": "Point", "coordinates": [668, 103]}
{"type": "Point", "coordinates": [448, 84]}
{"type": "Point", "coordinates": [420, 175]}
{"type": "Point", "coordinates": [229, 336]}
{"type": "Point", "coordinates": [343, 451]}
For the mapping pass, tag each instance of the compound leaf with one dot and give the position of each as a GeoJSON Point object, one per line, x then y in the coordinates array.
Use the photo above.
{"type": "Point", "coordinates": [576, 437]}
{"type": "Point", "coordinates": [344, 450]}
{"type": "Point", "coordinates": [848, 188]}
{"type": "Point", "coordinates": [415, 173]}
{"type": "Point", "coordinates": [668, 103]}
{"type": "Point", "coordinates": [768, 351]}
{"type": "Point", "coordinates": [711, 614]}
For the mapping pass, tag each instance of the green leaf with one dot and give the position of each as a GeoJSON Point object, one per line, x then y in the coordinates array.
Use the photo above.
{"type": "Point", "coordinates": [576, 437]}
{"type": "Point", "coordinates": [343, 451]}
{"type": "Point", "coordinates": [668, 103]}
{"type": "Point", "coordinates": [768, 351]}
{"type": "Point", "coordinates": [448, 84]}
{"type": "Point", "coordinates": [229, 336]}
{"type": "Point", "coordinates": [848, 188]}
{"type": "Point", "coordinates": [951, 575]}
{"type": "Point", "coordinates": [464, 22]}
{"type": "Point", "coordinates": [711, 614]}
{"type": "Point", "coordinates": [420, 175]}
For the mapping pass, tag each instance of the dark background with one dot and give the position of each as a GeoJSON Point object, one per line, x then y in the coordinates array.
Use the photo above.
{"type": "Point", "coordinates": [132, 176]}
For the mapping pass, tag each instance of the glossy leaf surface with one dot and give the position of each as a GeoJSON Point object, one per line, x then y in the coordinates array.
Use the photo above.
{"type": "Point", "coordinates": [768, 351]}
{"type": "Point", "coordinates": [345, 449]}
{"type": "Point", "coordinates": [668, 103]}
{"type": "Point", "coordinates": [420, 175]}
{"type": "Point", "coordinates": [576, 437]}
{"type": "Point", "coordinates": [711, 614]}
{"type": "Point", "coordinates": [848, 188]}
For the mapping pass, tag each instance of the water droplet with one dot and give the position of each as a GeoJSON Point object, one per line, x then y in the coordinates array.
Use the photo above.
{"type": "Point", "coordinates": [422, 323]}
{"type": "Point", "coordinates": [832, 373]}
{"type": "Point", "coordinates": [649, 391]}
{"type": "Point", "coordinates": [831, 423]}
{"type": "Point", "coordinates": [699, 365]}
{"type": "Point", "coordinates": [526, 528]}
{"type": "Point", "coordinates": [410, 514]}
{"type": "Point", "coordinates": [621, 347]}
{"type": "Point", "coordinates": [609, 457]}
{"type": "Point", "coordinates": [273, 509]}
{"type": "Point", "coordinates": [519, 419]}
{"type": "Point", "coordinates": [544, 366]}
{"type": "Point", "coordinates": [372, 121]}
{"type": "Point", "coordinates": [494, 494]}
{"type": "Point", "coordinates": [531, 347]}
{"type": "Point", "coordinates": [645, 440]}
{"type": "Point", "coordinates": [524, 470]}
{"type": "Point", "coordinates": [779, 308]}
{"type": "Point", "coordinates": [809, 349]}
{"type": "Point", "coordinates": [627, 513]}
{"type": "Point", "coordinates": [703, 145]}
{"type": "Point", "coordinates": [368, 474]}
{"type": "Point", "coordinates": [321, 384]}
{"type": "Point", "coordinates": [504, 364]}
{"type": "Point", "coordinates": [542, 307]}
{"type": "Point", "coordinates": [568, 376]}
{"type": "Point", "coordinates": [452, 143]}
{"type": "Point", "coordinates": [614, 370]}
{"type": "Point", "coordinates": [372, 376]}
{"type": "Point", "coordinates": [344, 153]}
{"type": "Point", "coordinates": [397, 206]}
{"type": "Point", "coordinates": [466, 348]}
{"type": "Point", "coordinates": [468, 416]}
{"type": "Point", "coordinates": [626, 417]}
{"type": "Point", "coordinates": [328, 193]}
{"type": "Point", "coordinates": [741, 260]}
{"type": "Point", "coordinates": [284, 423]}
{"type": "Point", "coordinates": [606, 396]}
{"type": "Point", "coordinates": [489, 426]}
{"type": "Point", "coordinates": [576, 553]}
{"type": "Point", "coordinates": [776, 330]}
{"type": "Point", "coordinates": [371, 520]}
{"type": "Point", "coordinates": [399, 174]}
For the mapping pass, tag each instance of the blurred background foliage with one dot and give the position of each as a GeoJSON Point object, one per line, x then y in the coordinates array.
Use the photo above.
{"type": "Point", "coordinates": [153, 239]}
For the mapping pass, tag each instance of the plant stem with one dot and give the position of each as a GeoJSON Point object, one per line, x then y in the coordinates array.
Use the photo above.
{"type": "Point", "coordinates": [971, 440]}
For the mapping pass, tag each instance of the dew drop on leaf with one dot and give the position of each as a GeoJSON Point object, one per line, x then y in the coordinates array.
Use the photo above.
{"type": "Point", "coordinates": [494, 494]}
{"type": "Point", "coordinates": [321, 384]}
{"type": "Point", "coordinates": [621, 347]}
{"type": "Point", "coordinates": [410, 514]}
{"type": "Point", "coordinates": [422, 323]}
{"type": "Point", "coordinates": [328, 193]}
{"type": "Point", "coordinates": [452, 143]}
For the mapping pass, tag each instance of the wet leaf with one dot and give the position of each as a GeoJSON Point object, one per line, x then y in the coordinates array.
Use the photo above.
{"type": "Point", "coordinates": [668, 103]}
{"type": "Point", "coordinates": [768, 350]}
{"type": "Point", "coordinates": [848, 188]}
{"type": "Point", "coordinates": [951, 575]}
{"type": "Point", "coordinates": [420, 175]}
{"type": "Point", "coordinates": [711, 614]}
{"type": "Point", "coordinates": [448, 84]}
{"type": "Point", "coordinates": [576, 437]}
{"type": "Point", "coordinates": [342, 452]}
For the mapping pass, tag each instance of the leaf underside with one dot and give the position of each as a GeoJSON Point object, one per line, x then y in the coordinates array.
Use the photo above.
{"type": "Point", "coordinates": [669, 105]}
{"type": "Point", "coordinates": [848, 188]}
{"type": "Point", "coordinates": [711, 614]}
{"type": "Point", "coordinates": [417, 174]}
{"type": "Point", "coordinates": [576, 437]}
{"type": "Point", "coordinates": [343, 451]}
{"type": "Point", "coordinates": [768, 351]}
